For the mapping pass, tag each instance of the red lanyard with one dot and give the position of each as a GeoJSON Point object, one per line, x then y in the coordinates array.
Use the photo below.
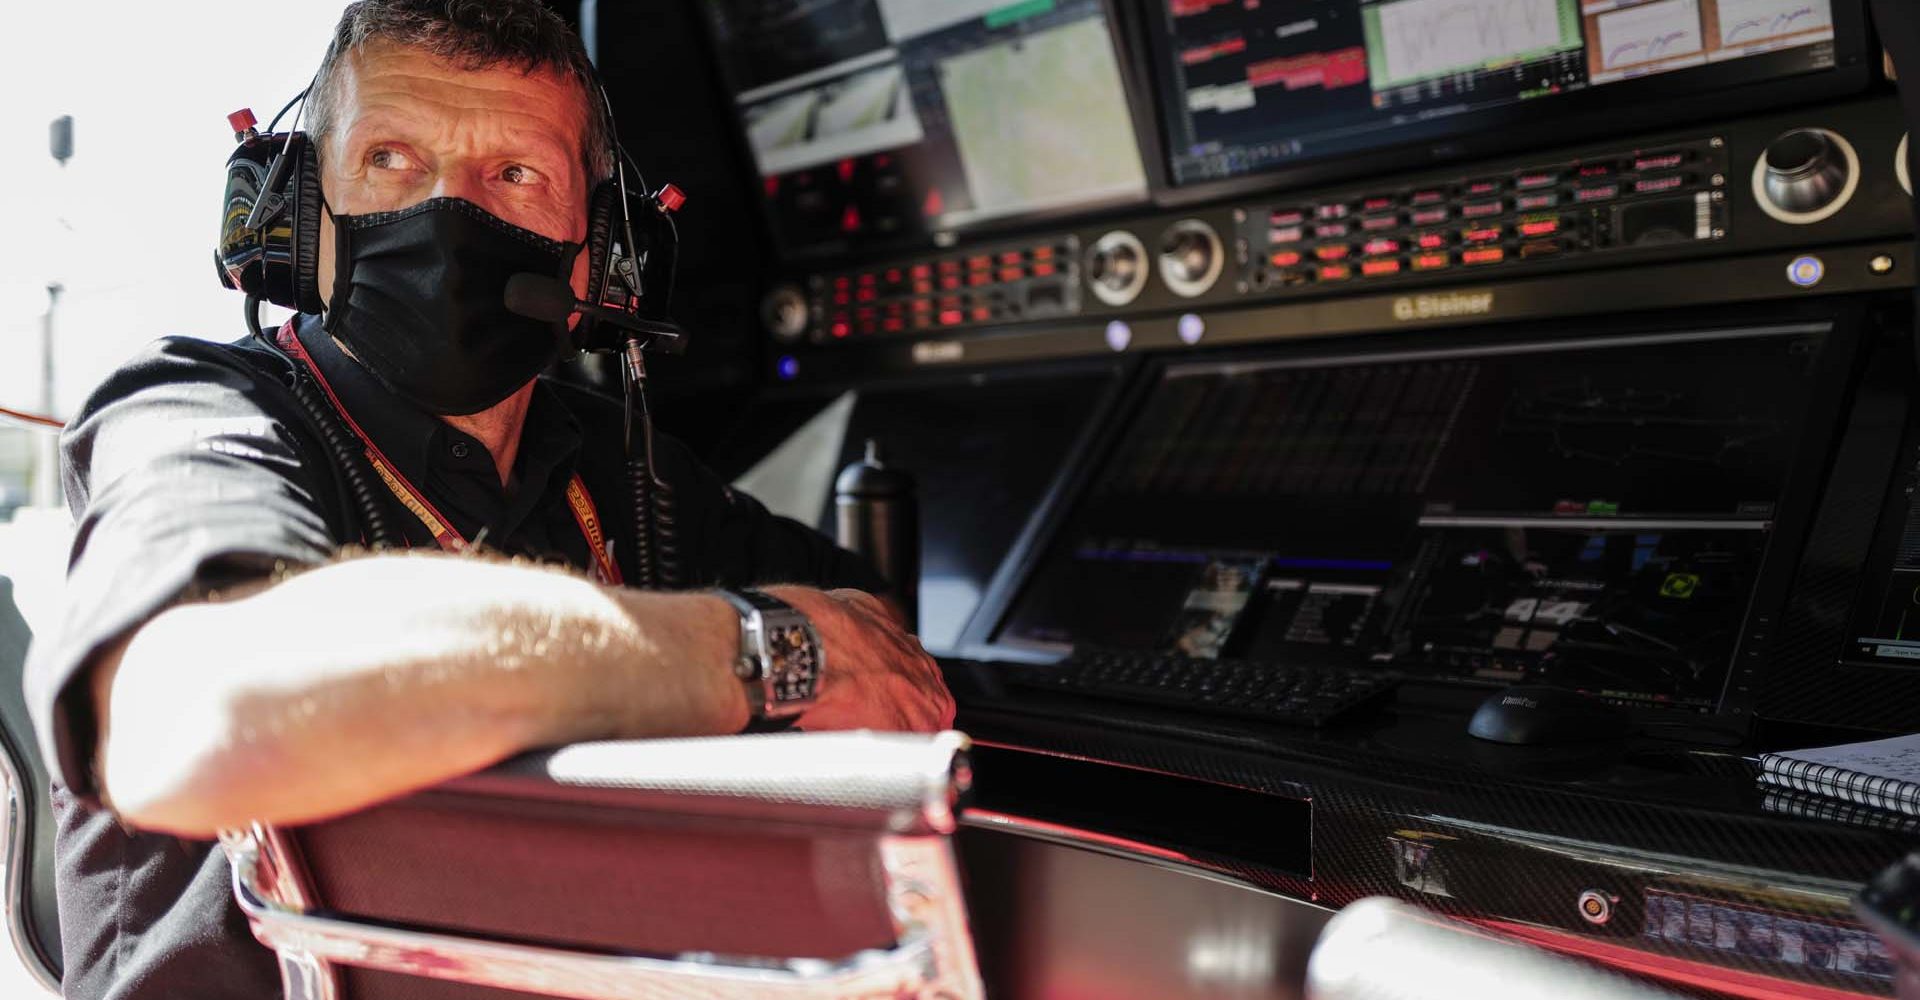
{"type": "Point", "coordinates": [578, 500]}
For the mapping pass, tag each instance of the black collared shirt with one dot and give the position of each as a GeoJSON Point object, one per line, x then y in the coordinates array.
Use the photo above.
{"type": "Point", "coordinates": [193, 468]}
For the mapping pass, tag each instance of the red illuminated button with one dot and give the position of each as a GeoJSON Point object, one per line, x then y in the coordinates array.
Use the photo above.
{"type": "Point", "coordinates": [840, 298]}
{"type": "Point", "coordinates": [842, 281]}
{"type": "Point", "coordinates": [951, 317]}
{"type": "Point", "coordinates": [893, 276]}
{"type": "Point", "coordinates": [1043, 270]}
{"type": "Point", "coordinates": [1374, 224]}
{"type": "Point", "coordinates": [922, 271]}
{"type": "Point", "coordinates": [893, 324]}
{"type": "Point", "coordinates": [1535, 202]}
{"type": "Point", "coordinates": [1012, 257]}
{"type": "Point", "coordinates": [1285, 258]}
{"type": "Point", "coordinates": [1486, 187]}
{"type": "Point", "coordinates": [1374, 268]}
{"type": "Point", "coordinates": [1287, 217]}
{"type": "Point", "coordinates": [980, 262]}
{"type": "Point", "coordinates": [950, 267]}
{"type": "Point", "coordinates": [1375, 204]}
{"type": "Point", "coordinates": [923, 305]}
{"type": "Point", "coordinates": [1660, 161]}
{"type": "Point", "coordinates": [1481, 234]}
{"type": "Point", "coordinates": [1430, 196]}
{"type": "Point", "coordinates": [1042, 253]}
{"type": "Point", "coordinates": [1537, 179]}
{"type": "Point", "coordinates": [1333, 211]}
{"type": "Point", "coordinates": [1335, 272]}
{"type": "Point", "coordinates": [1654, 185]}
{"type": "Point", "coordinates": [841, 329]}
{"type": "Point", "coordinates": [1431, 261]}
{"type": "Point", "coordinates": [950, 282]}
{"type": "Point", "coordinates": [1484, 255]}
{"type": "Point", "coordinates": [1430, 216]}
{"type": "Point", "coordinates": [1330, 231]}
{"type": "Point", "coordinates": [1596, 170]}
{"type": "Point", "coordinates": [923, 288]}
{"type": "Point", "coordinates": [1337, 251]}
{"type": "Point", "coordinates": [1482, 209]}
{"type": "Point", "coordinates": [1375, 248]}
{"type": "Point", "coordinates": [978, 278]}
{"type": "Point", "coordinates": [867, 295]}
{"type": "Point", "coordinates": [1431, 241]}
{"type": "Point", "coordinates": [1598, 192]}
{"type": "Point", "coordinates": [1539, 227]}
{"type": "Point", "coordinates": [981, 314]}
{"type": "Point", "coordinates": [1290, 234]}
{"type": "Point", "coordinates": [869, 278]}
{"type": "Point", "coordinates": [1012, 273]}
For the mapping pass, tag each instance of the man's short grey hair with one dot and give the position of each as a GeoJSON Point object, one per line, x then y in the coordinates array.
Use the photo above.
{"type": "Point", "coordinates": [472, 35]}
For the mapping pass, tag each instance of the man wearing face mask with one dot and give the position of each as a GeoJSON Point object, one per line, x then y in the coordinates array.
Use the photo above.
{"type": "Point", "coordinates": [222, 662]}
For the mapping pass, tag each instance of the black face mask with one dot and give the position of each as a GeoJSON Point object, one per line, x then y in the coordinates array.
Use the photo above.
{"type": "Point", "coordinates": [419, 297]}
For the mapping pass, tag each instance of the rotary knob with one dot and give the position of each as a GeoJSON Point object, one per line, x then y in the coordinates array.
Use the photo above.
{"type": "Point", "coordinates": [1117, 267]}
{"type": "Point", "coordinates": [785, 312]}
{"type": "Point", "coordinates": [1806, 175]}
{"type": "Point", "coordinates": [1191, 257]}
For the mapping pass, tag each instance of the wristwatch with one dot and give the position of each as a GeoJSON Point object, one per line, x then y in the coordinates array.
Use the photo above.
{"type": "Point", "coordinates": [780, 657]}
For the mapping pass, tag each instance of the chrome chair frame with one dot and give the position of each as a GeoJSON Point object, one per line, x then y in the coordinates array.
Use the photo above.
{"type": "Point", "coordinates": [933, 956]}
{"type": "Point", "coordinates": [16, 859]}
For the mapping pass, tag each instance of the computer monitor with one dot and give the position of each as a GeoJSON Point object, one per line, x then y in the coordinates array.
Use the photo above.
{"type": "Point", "coordinates": [1591, 513]}
{"type": "Point", "coordinates": [1249, 87]}
{"type": "Point", "coordinates": [881, 121]}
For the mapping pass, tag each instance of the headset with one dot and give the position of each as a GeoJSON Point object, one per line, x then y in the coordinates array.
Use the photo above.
{"type": "Point", "coordinates": [269, 248]}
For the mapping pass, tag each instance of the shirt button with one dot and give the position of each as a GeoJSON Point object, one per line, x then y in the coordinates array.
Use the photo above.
{"type": "Point", "coordinates": [461, 450]}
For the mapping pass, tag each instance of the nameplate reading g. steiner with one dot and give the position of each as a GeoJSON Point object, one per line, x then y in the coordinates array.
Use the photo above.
{"type": "Point", "coordinates": [1412, 308]}
{"type": "Point", "coordinates": [934, 352]}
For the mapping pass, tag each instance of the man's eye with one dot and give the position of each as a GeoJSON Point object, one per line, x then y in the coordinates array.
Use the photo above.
{"type": "Point", "coordinates": [389, 159]}
{"type": "Point", "coordinates": [517, 174]}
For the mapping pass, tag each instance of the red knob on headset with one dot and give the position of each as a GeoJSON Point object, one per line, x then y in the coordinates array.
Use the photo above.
{"type": "Point", "coordinates": [242, 122]}
{"type": "Point", "coordinates": [670, 199]}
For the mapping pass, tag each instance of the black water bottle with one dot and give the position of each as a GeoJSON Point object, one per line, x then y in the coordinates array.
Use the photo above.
{"type": "Point", "coordinates": [878, 516]}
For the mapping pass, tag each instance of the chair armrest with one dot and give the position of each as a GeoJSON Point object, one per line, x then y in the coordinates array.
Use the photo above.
{"type": "Point", "coordinates": [898, 783]}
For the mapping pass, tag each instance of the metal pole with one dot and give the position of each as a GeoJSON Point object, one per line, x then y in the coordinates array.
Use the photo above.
{"type": "Point", "coordinates": [46, 473]}
{"type": "Point", "coordinates": [46, 466]}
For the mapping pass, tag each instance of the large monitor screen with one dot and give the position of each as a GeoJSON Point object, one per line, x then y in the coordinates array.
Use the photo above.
{"type": "Point", "coordinates": [1259, 86]}
{"type": "Point", "coordinates": [879, 120]}
{"type": "Point", "coordinates": [1589, 514]}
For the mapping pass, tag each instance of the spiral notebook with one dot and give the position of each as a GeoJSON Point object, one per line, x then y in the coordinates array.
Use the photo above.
{"type": "Point", "coordinates": [1884, 774]}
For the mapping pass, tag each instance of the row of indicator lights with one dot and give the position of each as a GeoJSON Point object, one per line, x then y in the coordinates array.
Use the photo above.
{"type": "Point", "coordinates": [1190, 328]}
{"type": "Point", "coordinates": [1436, 199]}
{"type": "Point", "coordinates": [1431, 241]}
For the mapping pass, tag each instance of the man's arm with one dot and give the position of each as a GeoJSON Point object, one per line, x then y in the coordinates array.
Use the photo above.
{"type": "Point", "coordinates": [366, 679]}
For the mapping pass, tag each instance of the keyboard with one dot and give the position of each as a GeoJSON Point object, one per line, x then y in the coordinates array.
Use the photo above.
{"type": "Point", "coordinates": [1251, 689]}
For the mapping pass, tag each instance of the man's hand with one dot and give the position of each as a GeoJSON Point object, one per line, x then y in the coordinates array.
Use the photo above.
{"type": "Point", "coordinates": [877, 675]}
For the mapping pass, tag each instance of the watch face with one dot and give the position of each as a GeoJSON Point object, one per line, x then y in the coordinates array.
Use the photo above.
{"type": "Point", "coordinates": [795, 665]}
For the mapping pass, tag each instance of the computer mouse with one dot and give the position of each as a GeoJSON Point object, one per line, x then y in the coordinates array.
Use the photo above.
{"type": "Point", "coordinates": [1539, 715]}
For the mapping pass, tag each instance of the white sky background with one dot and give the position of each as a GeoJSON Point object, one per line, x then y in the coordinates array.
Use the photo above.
{"type": "Point", "coordinates": [149, 83]}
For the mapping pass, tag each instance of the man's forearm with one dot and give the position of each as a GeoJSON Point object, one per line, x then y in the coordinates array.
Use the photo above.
{"type": "Point", "coordinates": [369, 678]}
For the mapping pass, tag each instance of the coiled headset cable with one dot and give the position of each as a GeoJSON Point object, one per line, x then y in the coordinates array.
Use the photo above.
{"type": "Point", "coordinates": [356, 475]}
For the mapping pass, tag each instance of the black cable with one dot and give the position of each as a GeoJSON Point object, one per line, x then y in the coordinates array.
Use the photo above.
{"type": "Point", "coordinates": [355, 475]}
{"type": "Point", "coordinates": [656, 550]}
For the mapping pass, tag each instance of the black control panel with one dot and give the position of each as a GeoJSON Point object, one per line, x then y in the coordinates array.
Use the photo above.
{"type": "Point", "coordinates": [1765, 194]}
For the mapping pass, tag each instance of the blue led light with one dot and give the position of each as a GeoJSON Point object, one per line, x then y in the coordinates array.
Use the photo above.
{"type": "Point", "coordinates": [1119, 335]}
{"type": "Point", "coordinates": [1806, 271]}
{"type": "Point", "coordinates": [789, 367]}
{"type": "Point", "coordinates": [1192, 328]}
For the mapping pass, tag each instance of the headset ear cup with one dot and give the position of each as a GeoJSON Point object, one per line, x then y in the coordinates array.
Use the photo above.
{"type": "Point", "coordinates": [304, 295]}
{"type": "Point", "coordinates": [601, 212]}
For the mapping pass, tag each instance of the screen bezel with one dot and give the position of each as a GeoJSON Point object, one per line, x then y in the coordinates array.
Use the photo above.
{"type": "Point", "coordinates": [1479, 134]}
{"type": "Point", "coordinates": [1779, 562]}
{"type": "Point", "coordinates": [1137, 89]}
